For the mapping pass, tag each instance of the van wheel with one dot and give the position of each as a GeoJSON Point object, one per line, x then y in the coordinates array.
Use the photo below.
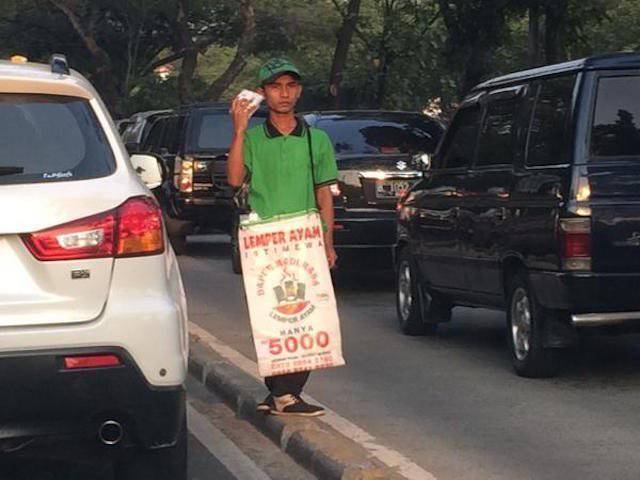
{"type": "Point", "coordinates": [418, 312]}
{"type": "Point", "coordinates": [525, 318]}
{"type": "Point", "coordinates": [162, 464]}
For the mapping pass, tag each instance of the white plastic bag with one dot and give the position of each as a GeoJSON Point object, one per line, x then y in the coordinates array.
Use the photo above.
{"type": "Point", "coordinates": [290, 295]}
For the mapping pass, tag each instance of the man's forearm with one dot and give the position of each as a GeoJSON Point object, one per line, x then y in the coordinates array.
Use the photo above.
{"type": "Point", "coordinates": [235, 161]}
{"type": "Point", "coordinates": [325, 204]}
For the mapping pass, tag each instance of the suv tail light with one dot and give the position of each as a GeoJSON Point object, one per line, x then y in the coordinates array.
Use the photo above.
{"type": "Point", "coordinates": [132, 229]}
{"type": "Point", "coordinates": [185, 180]}
{"type": "Point", "coordinates": [575, 237]}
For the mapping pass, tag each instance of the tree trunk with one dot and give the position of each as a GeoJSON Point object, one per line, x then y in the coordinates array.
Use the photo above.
{"type": "Point", "coordinates": [245, 47]}
{"type": "Point", "coordinates": [534, 36]}
{"type": "Point", "coordinates": [342, 50]}
{"type": "Point", "coordinates": [555, 17]}
{"type": "Point", "coordinates": [103, 76]}
{"type": "Point", "coordinates": [190, 58]}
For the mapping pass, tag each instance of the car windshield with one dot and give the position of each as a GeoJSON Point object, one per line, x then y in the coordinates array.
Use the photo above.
{"type": "Point", "coordinates": [213, 131]}
{"type": "Point", "coordinates": [616, 122]}
{"type": "Point", "coordinates": [394, 134]}
{"type": "Point", "coordinates": [50, 138]}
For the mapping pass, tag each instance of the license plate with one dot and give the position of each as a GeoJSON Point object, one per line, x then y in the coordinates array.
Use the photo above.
{"type": "Point", "coordinates": [391, 188]}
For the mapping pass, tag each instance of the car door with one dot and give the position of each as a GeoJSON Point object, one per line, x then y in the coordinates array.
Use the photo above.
{"type": "Point", "coordinates": [152, 142]}
{"type": "Point", "coordinates": [438, 202]}
{"type": "Point", "coordinates": [486, 207]}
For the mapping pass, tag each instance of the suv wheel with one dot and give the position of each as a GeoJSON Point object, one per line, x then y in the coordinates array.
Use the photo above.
{"type": "Point", "coordinates": [418, 312]}
{"type": "Point", "coordinates": [177, 231]}
{"type": "Point", "coordinates": [179, 244]}
{"type": "Point", "coordinates": [161, 464]}
{"type": "Point", "coordinates": [525, 318]}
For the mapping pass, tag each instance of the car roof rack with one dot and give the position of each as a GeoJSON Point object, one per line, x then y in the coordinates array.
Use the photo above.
{"type": "Point", "coordinates": [59, 64]}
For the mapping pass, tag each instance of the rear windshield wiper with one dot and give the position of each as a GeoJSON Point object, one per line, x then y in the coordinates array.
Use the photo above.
{"type": "Point", "coordinates": [10, 170]}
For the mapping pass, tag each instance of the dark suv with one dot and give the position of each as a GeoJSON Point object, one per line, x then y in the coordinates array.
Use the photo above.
{"type": "Point", "coordinates": [532, 206]}
{"type": "Point", "coordinates": [194, 141]}
{"type": "Point", "coordinates": [379, 154]}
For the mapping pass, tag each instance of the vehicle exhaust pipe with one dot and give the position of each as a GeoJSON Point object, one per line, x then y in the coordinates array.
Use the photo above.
{"type": "Point", "coordinates": [110, 432]}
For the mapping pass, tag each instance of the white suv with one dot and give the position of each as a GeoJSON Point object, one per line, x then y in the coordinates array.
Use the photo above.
{"type": "Point", "coordinates": [93, 320]}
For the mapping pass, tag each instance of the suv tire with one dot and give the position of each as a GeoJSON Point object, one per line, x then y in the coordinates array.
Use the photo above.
{"type": "Point", "coordinates": [418, 311]}
{"type": "Point", "coordinates": [179, 244]}
{"type": "Point", "coordinates": [162, 464]}
{"type": "Point", "coordinates": [525, 319]}
{"type": "Point", "coordinates": [177, 231]}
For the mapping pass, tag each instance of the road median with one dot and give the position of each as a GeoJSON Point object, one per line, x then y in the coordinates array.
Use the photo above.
{"type": "Point", "coordinates": [322, 450]}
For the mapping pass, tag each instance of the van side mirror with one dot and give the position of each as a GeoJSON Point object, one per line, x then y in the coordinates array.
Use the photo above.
{"type": "Point", "coordinates": [149, 168]}
{"type": "Point", "coordinates": [422, 162]}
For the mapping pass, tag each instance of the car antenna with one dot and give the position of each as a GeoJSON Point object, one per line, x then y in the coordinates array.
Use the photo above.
{"type": "Point", "coordinates": [59, 64]}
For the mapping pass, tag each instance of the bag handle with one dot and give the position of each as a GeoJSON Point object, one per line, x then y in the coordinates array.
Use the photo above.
{"type": "Point", "coordinates": [313, 173]}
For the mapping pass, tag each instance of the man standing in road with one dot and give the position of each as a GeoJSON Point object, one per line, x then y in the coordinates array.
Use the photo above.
{"type": "Point", "coordinates": [277, 158]}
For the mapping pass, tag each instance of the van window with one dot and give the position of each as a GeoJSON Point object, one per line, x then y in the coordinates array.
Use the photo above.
{"type": "Point", "coordinates": [380, 133]}
{"type": "Point", "coordinates": [152, 142]}
{"type": "Point", "coordinates": [213, 130]}
{"type": "Point", "coordinates": [549, 130]}
{"type": "Point", "coordinates": [496, 139]}
{"type": "Point", "coordinates": [616, 121]}
{"type": "Point", "coordinates": [460, 143]}
{"type": "Point", "coordinates": [173, 134]}
{"type": "Point", "coordinates": [50, 138]}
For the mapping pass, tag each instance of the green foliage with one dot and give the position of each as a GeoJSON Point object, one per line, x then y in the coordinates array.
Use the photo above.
{"type": "Point", "coordinates": [404, 54]}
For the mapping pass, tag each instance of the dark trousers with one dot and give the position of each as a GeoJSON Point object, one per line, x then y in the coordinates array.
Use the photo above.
{"type": "Point", "coordinates": [284, 384]}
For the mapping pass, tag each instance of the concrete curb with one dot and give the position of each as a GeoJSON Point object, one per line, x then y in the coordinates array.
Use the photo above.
{"type": "Point", "coordinates": [319, 448]}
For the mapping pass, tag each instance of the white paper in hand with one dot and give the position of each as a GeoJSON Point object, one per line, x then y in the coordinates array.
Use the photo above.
{"type": "Point", "coordinates": [254, 99]}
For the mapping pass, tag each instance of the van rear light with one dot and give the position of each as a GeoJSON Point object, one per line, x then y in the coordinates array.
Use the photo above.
{"type": "Point", "coordinates": [575, 235]}
{"type": "Point", "coordinates": [132, 229]}
{"type": "Point", "coordinates": [91, 361]}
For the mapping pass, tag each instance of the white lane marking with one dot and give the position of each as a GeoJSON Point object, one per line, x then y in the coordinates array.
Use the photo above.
{"type": "Point", "coordinates": [388, 456]}
{"type": "Point", "coordinates": [238, 464]}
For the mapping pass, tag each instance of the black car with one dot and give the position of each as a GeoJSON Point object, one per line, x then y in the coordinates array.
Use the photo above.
{"type": "Point", "coordinates": [137, 128]}
{"type": "Point", "coordinates": [194, 142]}
{"type": "Point", "coordinates": [379, 154]}
{"type": "Point", "coordinates": [532, 206]}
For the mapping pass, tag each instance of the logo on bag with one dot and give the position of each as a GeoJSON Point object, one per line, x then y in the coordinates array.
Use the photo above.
{"type": "Point", "coordinates": [291, 297]}
{"type": "Point", "coordinates": [286, 285]}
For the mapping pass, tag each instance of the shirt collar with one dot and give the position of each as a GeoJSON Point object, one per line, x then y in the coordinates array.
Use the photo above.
{"type": "Point", "coordinates": [272, 132]}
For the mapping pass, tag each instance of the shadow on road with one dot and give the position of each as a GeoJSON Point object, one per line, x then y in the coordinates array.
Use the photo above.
{"type": "Point", "coordinates": [212, 246]}
{"type": "Point", "coordinates": [598, 361]}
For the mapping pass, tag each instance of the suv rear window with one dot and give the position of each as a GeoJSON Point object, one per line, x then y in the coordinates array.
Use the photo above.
{"type": "Point", "coordinates": [214, 130]}
{"type": "Point", "coordinates": [616, 127]}
{"type": "Point", "coordinates": [394, 134]}
{"type": "Point", "coordinates": [50, 138]}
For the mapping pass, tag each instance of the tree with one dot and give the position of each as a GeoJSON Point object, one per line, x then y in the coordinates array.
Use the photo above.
{"type": "Point", "coordinates": [475, 29]}
{"type": "Point", "coordinates": [349, 24]}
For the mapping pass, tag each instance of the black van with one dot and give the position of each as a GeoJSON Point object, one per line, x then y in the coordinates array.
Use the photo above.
{"type": "Point", "coordinates": [532, 205]}
{"type": "Point", "coordinates": [194, 141]}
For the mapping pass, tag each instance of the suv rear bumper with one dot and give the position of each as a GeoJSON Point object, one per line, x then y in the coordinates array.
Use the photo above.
{"type": "Point", "coordinates": [588, 293]}
{"type": "Point", "coordinates": [44, 401]}
{"type": "Point", "coordinates": [366, 228]}
{"type": "Point", "coordinates": [205, 212]}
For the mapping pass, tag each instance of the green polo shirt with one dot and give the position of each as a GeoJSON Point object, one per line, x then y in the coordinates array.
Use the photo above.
{"type": "Point", "coordinates": [280, 168]}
